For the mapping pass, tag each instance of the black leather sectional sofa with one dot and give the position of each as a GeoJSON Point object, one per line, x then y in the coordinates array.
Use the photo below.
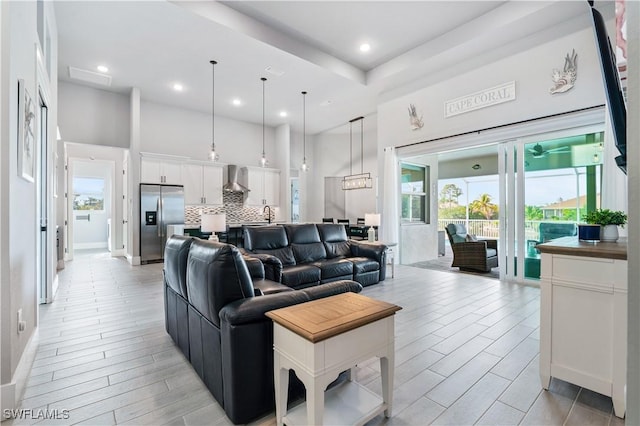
{"type": "Point", "coordinates": [305, 255]}
{"type": "Point", "coordinates": [215, 304]}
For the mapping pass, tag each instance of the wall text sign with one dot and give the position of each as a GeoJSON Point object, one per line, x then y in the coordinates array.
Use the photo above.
{"type": "Point", "coordinates": [495, 95]}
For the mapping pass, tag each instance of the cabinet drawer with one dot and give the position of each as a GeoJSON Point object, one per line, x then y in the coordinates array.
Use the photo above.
{"type": "Point", "coordinates": [595, 272]}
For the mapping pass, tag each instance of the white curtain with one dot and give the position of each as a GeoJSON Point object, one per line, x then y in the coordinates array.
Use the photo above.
{"type": "Point", "coordinates": [390, 219]}
{"type": "Point", "coordinates": [614, 181]}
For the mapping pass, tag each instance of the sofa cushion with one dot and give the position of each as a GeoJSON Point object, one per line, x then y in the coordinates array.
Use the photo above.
{"type": "Point", "coordinates": [335, 240]}
{"type": "Point", "coordinates": [264, 237]}
{"type": "Point", "coordinates": [310, 252]}
{"type": "Point", "coordinates": [332, 268]}
{"type": "Point", "coordinates": [301, 276]}
{"type": "Point", "coordinates": [216, 275]}
{"type": "Point", "coordinates": [302, 233]}
{"type": "Point", "coordinates": [285, 254]}
{"type": "Point", "coordinates": [458, 232]}
{"type": "Point", "coordinates": [364, 264]}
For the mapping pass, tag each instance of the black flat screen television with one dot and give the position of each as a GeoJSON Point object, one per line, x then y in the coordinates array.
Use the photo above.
{"type": "Point", "coordinates": [613, 90]}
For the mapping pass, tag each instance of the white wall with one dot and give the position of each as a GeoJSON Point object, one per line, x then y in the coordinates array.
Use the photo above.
{"type": "Point", "coordinates": [19, 225]}
{"type": "Point", "coordinates": [93, 116]}
{"type": "Point", "coordinates": [174, 131]}
{"type": "Point", "coordinates": [330, 155]}
{"type": "Point", "coordinates": [530, 69]}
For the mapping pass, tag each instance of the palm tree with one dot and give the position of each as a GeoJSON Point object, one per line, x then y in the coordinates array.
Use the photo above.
{"type": "Point", "coordinates": [484, 206]}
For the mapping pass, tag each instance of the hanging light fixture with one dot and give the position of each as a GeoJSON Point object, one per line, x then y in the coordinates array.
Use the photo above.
{"type": "Point", "coordinates": [213, 155]}
{"type": "Point", "coordinates": [362, 180]}
{"type": "Point", "coordinates": [263, 160]}
{"type": "Point", "coordinates": [304, 166]}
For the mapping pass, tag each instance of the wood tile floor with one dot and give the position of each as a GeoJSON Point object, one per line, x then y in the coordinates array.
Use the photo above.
{"type": "Point", "coordinates": [466, 353]}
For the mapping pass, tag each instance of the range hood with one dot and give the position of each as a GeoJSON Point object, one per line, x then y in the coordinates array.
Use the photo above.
{"type": "Point", "coordinates": [232, 184]}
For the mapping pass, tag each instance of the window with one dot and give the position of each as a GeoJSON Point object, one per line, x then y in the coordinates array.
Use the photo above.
{"type": "Point", "coordinates": [414, 184]}
{"type": "Point", "coordinates": [88, 193]}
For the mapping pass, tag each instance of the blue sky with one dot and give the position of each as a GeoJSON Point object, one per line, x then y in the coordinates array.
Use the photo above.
{"type": "Point", "coordinates": [541, 188]}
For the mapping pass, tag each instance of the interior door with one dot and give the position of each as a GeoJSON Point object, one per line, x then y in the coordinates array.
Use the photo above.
{"type": "Point", "coordinates": [125, 202]}
{"type": "Point", "coordinates": [334, 198]}
{"type": "Point", "coordinates": [43, 181]}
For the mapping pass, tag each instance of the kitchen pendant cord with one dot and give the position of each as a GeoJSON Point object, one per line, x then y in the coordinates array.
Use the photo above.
{"type": "Point", "coordinates": [213, 107]}
{"type": "Point", "coordinates": [263, 80]}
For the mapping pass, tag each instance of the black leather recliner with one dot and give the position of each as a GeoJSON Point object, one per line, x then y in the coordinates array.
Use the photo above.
{"type": "Point", "coordinates": [306, 255]}
{"type": "Point", "coordinates": [225, 333]}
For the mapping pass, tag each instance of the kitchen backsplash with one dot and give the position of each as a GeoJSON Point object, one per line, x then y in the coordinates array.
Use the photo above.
{"type": "Point", "coordinates": [234, 208]}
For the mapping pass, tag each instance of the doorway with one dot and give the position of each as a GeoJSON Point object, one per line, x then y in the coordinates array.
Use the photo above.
{"type": "Point", "coordinates": [90, 202]}
{"type": "Point", "coordinates": [43, 199]}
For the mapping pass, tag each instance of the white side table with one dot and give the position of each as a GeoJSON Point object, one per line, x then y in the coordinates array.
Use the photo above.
{"type": "Point", "coordinates": [318, 340]}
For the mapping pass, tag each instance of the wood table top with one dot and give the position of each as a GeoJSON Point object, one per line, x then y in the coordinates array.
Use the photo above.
{"type": "Point", "coordinates": [324, 318]}
{"type": "Point", "coordinates": [572, 246]}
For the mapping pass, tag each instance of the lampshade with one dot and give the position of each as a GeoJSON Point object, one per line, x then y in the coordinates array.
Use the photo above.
{"type": "Point", "coordinates": [213, 222]}
{"type": "Point", "coordinates": [372, 219]}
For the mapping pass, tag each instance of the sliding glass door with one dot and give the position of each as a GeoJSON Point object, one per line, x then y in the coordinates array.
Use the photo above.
{"type": "Point", "coordinates": [546, 186]}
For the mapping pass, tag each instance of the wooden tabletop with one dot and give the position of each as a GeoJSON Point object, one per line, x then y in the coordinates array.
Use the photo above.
{"type": "Point", "coordinates": [572, 246]}
{"type": "Point", "coordinates": [324, 318]}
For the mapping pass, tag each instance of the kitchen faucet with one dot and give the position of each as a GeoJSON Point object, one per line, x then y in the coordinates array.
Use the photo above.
{"type": "Point", "coordinates": [265, 210]}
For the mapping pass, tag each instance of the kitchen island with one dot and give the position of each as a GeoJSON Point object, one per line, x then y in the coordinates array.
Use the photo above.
{"type": "Point", "coordinates": [583, 316]}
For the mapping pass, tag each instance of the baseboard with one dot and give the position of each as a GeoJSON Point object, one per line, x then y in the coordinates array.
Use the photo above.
{"type": "Point", "coordinates": [11, 393]}
{"type": "Point", "coordinates": [133, 260]}
{"type": "Point", "coordinates": [85, 246]}
{"type": "Point", "coordinates": [60, 264]}
{"type": "Point", "coordinates": [117, 253]}
{"type": "Point", "coordinates": [7, 398]}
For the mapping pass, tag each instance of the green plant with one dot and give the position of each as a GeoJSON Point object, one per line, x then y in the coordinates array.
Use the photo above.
{"type": "Point", "coordinates": [606, 217]}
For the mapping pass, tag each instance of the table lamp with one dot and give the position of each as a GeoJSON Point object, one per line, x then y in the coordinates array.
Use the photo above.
{"type": "Point", "coordinates": [371, 220]}
{"type": "Point", "coordinates": [213, 223]}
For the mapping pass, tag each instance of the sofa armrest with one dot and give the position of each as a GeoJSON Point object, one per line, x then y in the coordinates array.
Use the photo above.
{"type": "Point", "coordinates": [333, 288]}
{"type": "Point", "coordinates": [253, 309]}
{"type": "Point", "coordinates": [492, 244]}
{"type": "Point", "coordinates": [373, 251]}
{"type": "Point", "coordinates": [255, 266]}
{"type": "Point", "coordinates": [272, 265]}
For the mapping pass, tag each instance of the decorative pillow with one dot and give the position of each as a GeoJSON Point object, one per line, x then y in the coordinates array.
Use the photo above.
{"type": "Point", "coordinates": [471, 238]}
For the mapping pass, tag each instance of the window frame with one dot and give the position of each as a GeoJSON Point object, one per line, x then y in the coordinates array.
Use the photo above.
{"type": "Point", "coordinates": [424, 196]}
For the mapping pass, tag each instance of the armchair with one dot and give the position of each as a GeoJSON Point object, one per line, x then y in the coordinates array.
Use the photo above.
{"type": "Point", "coordinates": [479, 255]}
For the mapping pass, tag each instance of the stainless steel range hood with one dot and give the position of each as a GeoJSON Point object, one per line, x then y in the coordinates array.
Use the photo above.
{"type": "Point", "coordinates": [232, 184]}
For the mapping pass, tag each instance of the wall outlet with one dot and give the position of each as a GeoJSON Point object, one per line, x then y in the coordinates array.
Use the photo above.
{"type": "Point", "coordinates": [22, 325]}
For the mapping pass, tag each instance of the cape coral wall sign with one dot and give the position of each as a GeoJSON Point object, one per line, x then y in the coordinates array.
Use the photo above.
{"type": "Point", "coordinates": [492, 96]}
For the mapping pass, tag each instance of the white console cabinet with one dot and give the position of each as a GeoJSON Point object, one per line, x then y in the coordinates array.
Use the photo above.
{"type": "Point", "coordinates": [583, 316]}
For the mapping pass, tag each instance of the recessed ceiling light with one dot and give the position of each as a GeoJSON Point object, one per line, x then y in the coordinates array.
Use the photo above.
{"type": "Point", "coordinates": [236, 102]}
{"type": "Point", "coordinates": [178, 87]}
{"type": "Point", "coordinates": [103, 68]}
{"type": "Point", "coordinates": [325, 103]}
{"type": "Point", "coordinates": [365, 47]}
{"type": "Point", "coordinates": [283, 113]}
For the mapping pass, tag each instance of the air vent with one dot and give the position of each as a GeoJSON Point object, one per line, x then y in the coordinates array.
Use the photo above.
{"type": "Point", "coordinates": [89, 76]}
{"type": "Point", "coordinates": [274, 71]}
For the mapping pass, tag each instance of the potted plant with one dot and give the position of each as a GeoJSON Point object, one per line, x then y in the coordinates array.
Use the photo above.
{"type": "Point", "coordinates": [609, 221]}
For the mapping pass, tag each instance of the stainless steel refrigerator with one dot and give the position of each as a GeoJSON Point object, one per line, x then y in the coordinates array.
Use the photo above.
{"type": "Point", "coordinates": [160, 205]}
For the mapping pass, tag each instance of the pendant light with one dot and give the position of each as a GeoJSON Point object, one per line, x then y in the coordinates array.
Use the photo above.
{"type": "Point", "coordinates": [263, 160]}
{"type": "Point", "coordinates": [362, 180]}
{"type": "Point", "coordinates": [213, 155]}
{"type": "Point", "coordinates": [304, 166]}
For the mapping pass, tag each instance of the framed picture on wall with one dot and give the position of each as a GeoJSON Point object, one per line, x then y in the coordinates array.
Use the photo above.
{"type": "Point", "coordinates": [26, 133]}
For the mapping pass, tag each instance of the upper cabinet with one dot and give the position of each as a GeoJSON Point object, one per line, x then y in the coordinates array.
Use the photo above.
{"type": "Point", "coordinates": [160, 170]}
{"type": "Point", "coordinates": [202, 183]}
{"type": "Point", "coordinates": [264, 185]}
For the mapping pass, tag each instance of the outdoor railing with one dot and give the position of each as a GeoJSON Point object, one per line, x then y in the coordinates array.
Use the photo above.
{"type": "Point", "coordinates": [490, 228]}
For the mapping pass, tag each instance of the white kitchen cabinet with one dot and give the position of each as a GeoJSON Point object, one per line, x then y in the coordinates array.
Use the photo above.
{"type": "Point", "coordinates": [156, 170]}
{"type": "Point", "coordinates": [264, 185]}
{"type": "Point", "coordinates": [202, 184]}
{"type": "Point", "coordinates": [583, 316]}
